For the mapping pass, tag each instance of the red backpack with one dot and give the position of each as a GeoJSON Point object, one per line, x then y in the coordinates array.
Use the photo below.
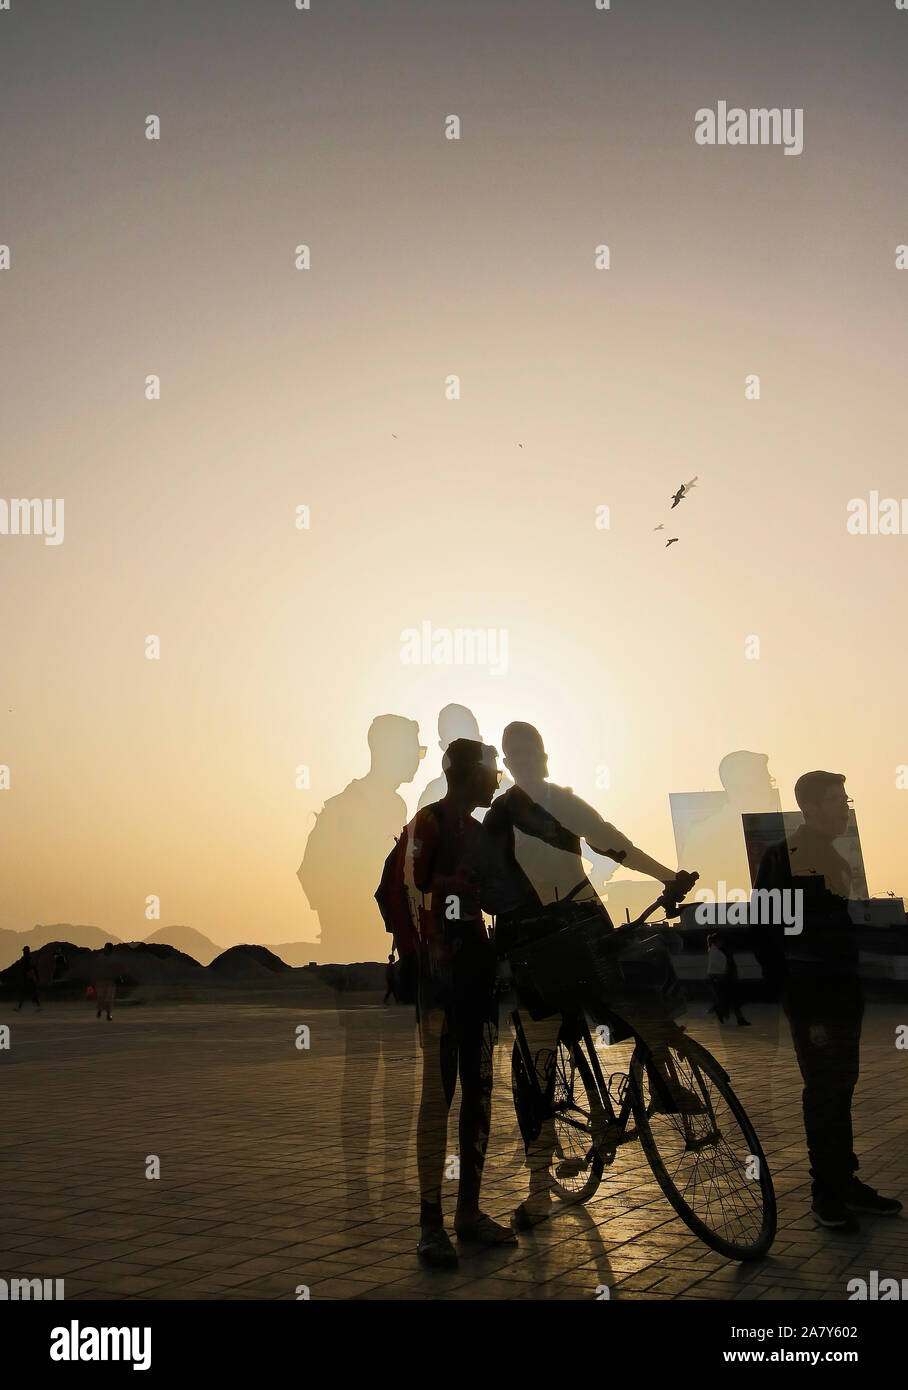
{"type": "Point", "coordinates": [394, 901]}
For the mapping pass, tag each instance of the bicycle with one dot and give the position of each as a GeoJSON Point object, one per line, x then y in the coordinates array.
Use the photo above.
{"type": "Point", "coordinates": [678, 1102]}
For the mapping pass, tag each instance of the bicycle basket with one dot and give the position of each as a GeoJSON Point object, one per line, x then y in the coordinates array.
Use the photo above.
{"type": "Point", "coordinates": [560, 970]}
{"type": "Point", "coordinates": [585, 964]}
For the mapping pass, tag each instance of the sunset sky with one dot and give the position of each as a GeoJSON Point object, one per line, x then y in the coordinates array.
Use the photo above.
{"type": "Point", "coordinates": [282, 388]}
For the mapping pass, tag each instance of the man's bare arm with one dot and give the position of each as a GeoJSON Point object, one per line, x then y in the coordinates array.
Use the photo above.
{"type": "Point", "coordinates": [641, 863]}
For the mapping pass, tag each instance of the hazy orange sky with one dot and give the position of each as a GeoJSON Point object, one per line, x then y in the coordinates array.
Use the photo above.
{"type": "Point", "coordinates": [280, 387]}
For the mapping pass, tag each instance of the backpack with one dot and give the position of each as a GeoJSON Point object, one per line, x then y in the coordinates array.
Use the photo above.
{"type": "Point", "coordinates": [392, 894]}
{"type": "Point", "coordinates": [394, 900]}
{"type": "Point", "coordinates": [320, 856]}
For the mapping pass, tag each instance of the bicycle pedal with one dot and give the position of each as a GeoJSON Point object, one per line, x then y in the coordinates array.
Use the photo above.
{"type": "Point", "coordinates": [570, 1167]}
{"type": "Point", "coordinates": [619, 1080]}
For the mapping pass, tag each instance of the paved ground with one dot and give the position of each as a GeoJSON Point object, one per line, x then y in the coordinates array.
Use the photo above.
{"type": "Point", "coordinates": [263, 1190]}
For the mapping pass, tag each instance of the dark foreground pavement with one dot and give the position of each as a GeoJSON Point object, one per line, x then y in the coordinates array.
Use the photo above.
{"type": "Point", "coordinates": [262, 1189]}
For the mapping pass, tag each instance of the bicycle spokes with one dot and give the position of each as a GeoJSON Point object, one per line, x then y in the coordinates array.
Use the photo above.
{"type": "Point", "coordinates": [576, 1167]}
{"type": "Point", "coordinates": [703, 1149]}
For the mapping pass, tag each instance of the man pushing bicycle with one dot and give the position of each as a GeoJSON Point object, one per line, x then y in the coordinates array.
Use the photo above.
{"type": "Point", "coordinates": [534, 833]}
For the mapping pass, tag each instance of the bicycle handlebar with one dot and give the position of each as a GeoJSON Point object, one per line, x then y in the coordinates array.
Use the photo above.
{"type": "Point", "coordinates": [669, 900]}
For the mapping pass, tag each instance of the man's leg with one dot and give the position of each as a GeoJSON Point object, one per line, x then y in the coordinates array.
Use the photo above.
{"type": "Point", "coordinates": [653, 1015]}
{"type": "Point", "coordinates": [477, 1036]}
{"type": "Point", "coordinates": [439, 1072]}
{"type": "Point", "coordinates": [357, 1087]}
{"type": "Point", "coordinates": [476, 1051]}
{"type": "Point", "coordinates": [399, 1095]}
{"type": "Point", "coordinates": [734, 999]}
{"type": "Point", "coordinates": [542, 1042]}
{"type": "Point", "coordinates": [828, 1061]}
{"type": "Point", "coordinates": [439, 1077]}
{"type": "Point", "coordinates": [859, 1197]}
{"type": "Point", "coordinates": [719, 1005]}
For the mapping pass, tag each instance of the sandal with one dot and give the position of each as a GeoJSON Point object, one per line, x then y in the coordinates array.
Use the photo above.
{"type": "Point", "coordinates": [482, 1230]}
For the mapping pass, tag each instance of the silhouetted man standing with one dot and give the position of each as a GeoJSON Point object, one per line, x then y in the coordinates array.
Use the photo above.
{"type": "Point", "coordinates": [443, 940]}
{"type": "Point", "coordinates": [535, 831]}
{"type": "Point", "coordinates": [350, 839]}
{"type": "Point", "coordinates": [343, 858]}
{"type": "Point", "coordinates": [822, 995]}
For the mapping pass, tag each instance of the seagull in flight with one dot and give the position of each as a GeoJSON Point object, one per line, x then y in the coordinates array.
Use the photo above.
{"type": "Point", "coordinates": [683, 490]}
{"type": "Point", "coordinates": [671, 542]}
{"type": "Point", "coordinates": [660, 527]}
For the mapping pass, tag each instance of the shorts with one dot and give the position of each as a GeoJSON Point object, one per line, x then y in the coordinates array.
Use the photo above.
{"type": "Point", "coordinates": [456, 989]}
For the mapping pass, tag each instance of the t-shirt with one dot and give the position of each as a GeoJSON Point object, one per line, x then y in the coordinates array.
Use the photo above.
{"type": "Point", "coordinates": [716, 961]}
{"type": "Point", "coordinates": [539, 840]}
{"type": "Point", "coordinates": [827, 947]}
{"type": "Point", "coordinates": [342, 863]}
{"type": "Point", "coordinates": [443, 873]}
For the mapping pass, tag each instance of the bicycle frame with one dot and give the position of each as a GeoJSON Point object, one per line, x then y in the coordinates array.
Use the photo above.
{"type": "Point", "coordinates": [669, 1099]}
{"type": "Point", "coordinates": [575, 1029]}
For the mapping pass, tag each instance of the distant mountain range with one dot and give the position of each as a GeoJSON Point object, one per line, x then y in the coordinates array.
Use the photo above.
{"type": "Point", "coordinates": [189, 941]}
{"type": "Point", "coordinates": [149, 970]}
{"type": "Point", "coordinates": [11, 942]}
{"type": "Point", "coordinates": [184, 939]}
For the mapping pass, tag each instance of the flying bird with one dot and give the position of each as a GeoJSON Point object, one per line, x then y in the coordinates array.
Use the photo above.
{"type": "Point", "coordinates": [394, 436]}
{"type": "Point", "coordinates": [671, 542]}
{"type": "Point", "coordinates": [683, 490]}
{"type": "Point", "coordinates": [660, 527]}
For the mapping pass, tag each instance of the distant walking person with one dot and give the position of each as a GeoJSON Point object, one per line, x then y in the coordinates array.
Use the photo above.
{"type": "Point", "coordinates": [722, 973]}
{"type": "Point", "coordinates": [390, 981]}
{"type": "Point", "coordinates": [106, 983]}
{"type": "Point", "coordinates": [28, 980]}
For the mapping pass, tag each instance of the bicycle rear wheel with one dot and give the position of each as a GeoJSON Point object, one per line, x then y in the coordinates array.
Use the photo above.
{"type": "Point", "coordinates": [709, 1163]}
{"type": "Point", "coordinates": [571, 1124]}
{"type": "Point", "coordinates": [577, 1164]}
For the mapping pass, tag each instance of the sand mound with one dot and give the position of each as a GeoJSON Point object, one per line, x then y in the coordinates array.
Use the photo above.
{"type": "Point", "coordinates": [249, 963]}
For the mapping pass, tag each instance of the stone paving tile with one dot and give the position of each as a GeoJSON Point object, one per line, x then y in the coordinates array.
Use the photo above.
{"type": "Point", "coordinates": [281, 1168]}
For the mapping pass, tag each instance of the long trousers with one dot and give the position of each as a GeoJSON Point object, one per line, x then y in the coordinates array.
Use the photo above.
{"type": "Point", "coordinates": [829, 1069]}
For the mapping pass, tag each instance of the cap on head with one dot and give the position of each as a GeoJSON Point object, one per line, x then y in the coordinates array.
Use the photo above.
{"type": "Point", "coordinates": [464, 755]}
{"type": "Point", "coordinates": [811, 787]}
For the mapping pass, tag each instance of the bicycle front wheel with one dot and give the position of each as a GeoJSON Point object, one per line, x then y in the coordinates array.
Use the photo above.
{"type": "Point", "coordinates": [703, 1149]}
